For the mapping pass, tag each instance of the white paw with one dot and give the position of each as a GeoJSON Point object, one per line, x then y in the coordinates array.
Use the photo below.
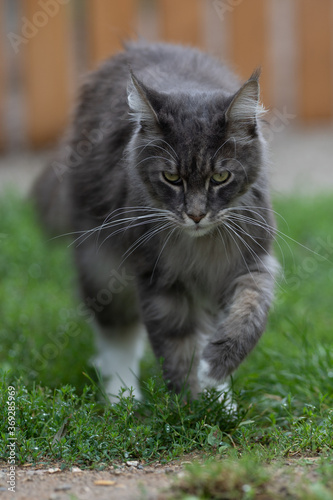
{"type": "Point", "coordinates": [207, 382]}
{"type": "Point", "coordinates": [114, 385]}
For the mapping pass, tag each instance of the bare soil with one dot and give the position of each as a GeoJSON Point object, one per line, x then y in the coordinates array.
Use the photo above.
{"type": "Point", "coordinates": [126, 482]}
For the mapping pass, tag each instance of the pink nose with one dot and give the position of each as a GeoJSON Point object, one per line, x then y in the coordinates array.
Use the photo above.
{"type": "Point", "coordinates": [196, 218]}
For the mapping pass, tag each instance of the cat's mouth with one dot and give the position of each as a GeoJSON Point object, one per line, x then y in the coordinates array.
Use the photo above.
{"type": "Point", "coordinates": [198, 230]}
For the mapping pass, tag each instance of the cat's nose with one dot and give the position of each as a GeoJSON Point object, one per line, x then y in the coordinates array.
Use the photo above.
{"type": "Point", "coordinates": [196, 218]}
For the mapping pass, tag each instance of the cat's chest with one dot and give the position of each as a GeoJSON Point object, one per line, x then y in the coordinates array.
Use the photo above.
{"type": "Point", "coordinates": [205, 266]}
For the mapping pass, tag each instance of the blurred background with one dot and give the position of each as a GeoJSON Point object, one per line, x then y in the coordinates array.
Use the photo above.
{"type": "Point", "coordinates": [47, 46]}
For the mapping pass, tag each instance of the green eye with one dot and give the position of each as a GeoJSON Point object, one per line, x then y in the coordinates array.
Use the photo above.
{"type": "Point", "coordinates": [220, 178]}
{"type": "Point", "coordinates": [173, 178]}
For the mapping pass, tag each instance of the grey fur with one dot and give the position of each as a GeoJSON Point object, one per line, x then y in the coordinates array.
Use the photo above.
{"type": "Point", "coordinates": [201, 253]}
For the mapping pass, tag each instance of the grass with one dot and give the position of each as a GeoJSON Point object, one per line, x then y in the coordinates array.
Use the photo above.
{"type": "Point", "coordinates": [284, 389]}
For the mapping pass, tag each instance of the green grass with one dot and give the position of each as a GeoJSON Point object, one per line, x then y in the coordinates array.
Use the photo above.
{"type": "Point", "coordinates": [284, 389]}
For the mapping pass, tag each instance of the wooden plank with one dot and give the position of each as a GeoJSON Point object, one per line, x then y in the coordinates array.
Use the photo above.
{"type": "Point", "coordinates": [249, 25]}
{"type": "Point", "coordinates": [2, 77]}
{"type": "Point", "coordinates": [45, 70]}
{"type": "Point", "coordinates": [109, 24]}
{"type": "Point", "coordinates": [181, 21]}
{"type": "Point", "coordinates": [316, 59]}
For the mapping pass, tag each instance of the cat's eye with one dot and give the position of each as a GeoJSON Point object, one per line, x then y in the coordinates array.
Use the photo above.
{"type": "Point", "coordinates": [173, 178]}
{"type": "Point", "coordinates": [220, 178]}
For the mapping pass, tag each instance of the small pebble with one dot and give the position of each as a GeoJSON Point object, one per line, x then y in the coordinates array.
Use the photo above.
{"type": "Point", "coordinates": [140, 466]}
{"type": "Point", "coordinates": [132, 463]}
{"type": "Point", "coordinates": [76, 469]}
{"type": "Point", "coordinates": [53, 470]}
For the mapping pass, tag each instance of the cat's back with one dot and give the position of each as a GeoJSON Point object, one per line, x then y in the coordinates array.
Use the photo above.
{"type": "Point", "coordinates": [161, 66]}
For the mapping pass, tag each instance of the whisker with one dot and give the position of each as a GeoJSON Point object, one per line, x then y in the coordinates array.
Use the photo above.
{"type": "Point", "coordinates": [144, 239]}
{"type": "Point", "coordinates": [283, 236]}
{"type": "Point", "coordinates": [234, 217]}
{"type": "Point", "coordinates": [224, 244]}
{"type": "Point", "coordinates": [152, 158]}
{"type": "Point", "coordinates": [128, 219]}
{"type": "Point", "coordinates": [218, 149]}
{"type": "Point", "coordinates": [86, 234]}
{"type": "Point", "coordinates": [228, 229]}
{"type": "Point", "coordinates": [142, 147]}
{"type": "Point", "coordinates": [250, 208]}
{"type": "Point", "coordinates": [254, 255]}
{"type": "Point", "coordinates": [159, 255]}
{"type": "Point", "coordinates": [124, 229]}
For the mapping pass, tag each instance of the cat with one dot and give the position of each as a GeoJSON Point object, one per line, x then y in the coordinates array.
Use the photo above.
{"type": "Point", "coordinates": [166, 186]}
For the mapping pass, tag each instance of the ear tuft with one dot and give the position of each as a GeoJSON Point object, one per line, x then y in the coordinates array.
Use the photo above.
{"type": "Point", "coordinates": [137, 97]}
{"type": "Point", "coordinates": [245, 110]}
{"type": "Point", "coordinates": [245, 105]}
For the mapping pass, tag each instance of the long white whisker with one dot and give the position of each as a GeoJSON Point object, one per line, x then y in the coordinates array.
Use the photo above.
{"type": "Point", "coordinates": [124, 229]}
{"type": "Point", "coordinates": [159, 255]}
{"type": "Point", "coordinates": [249, 208]}
{"type": "Point", "coordinates": [230, 231]}
{"type": "Point", "coordinates": [124, 210]}
{"type": "Point", "coordinates": [254, 255]}
{"type": "Point", "coordinates": [144, 146]}
{"type": "Point", "coordinates": [218, 149]}
{"type": "Point", "coordinates": [283, 236]}
{"type": "Point", "coordinates": [144, 239]}
{"type": "Point", "coordinates": [152, 158]}
{"type": "Point", "coordinates": [131, 220]}
{"type": "Point", "coordinates": [224, 244]}
{"type": "Point", "coordinates": [86, 234]}
{"type": "Point", "coordinates": [238, 218]}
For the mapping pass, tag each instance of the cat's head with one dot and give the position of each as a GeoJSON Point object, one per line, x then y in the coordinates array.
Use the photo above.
{"type": "Point", "coordinates": [195, 153]}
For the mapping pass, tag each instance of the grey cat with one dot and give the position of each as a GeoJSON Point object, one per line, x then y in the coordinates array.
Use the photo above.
{"type": "Point", "coordinates": [164, 185]}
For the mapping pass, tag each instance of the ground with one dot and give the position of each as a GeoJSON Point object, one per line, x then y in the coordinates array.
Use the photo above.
{"type": "Point", "coordinates": [124, 483]}
{"type": "Point", "coordinates": [134, 481]}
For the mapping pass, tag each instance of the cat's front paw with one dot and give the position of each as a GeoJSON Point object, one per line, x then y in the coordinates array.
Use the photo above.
{"type": "Point", "coordinates": [204, 377]}
{"type": "Point", "coordinates": [222, 386]}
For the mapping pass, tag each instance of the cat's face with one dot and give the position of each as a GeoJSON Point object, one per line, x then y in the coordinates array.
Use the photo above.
{"type": "Point", "coordinates": [195, 155]}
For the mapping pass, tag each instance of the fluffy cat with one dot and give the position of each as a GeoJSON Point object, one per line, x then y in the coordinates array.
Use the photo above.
{"type": "Point", "coordinates": [166, 191]}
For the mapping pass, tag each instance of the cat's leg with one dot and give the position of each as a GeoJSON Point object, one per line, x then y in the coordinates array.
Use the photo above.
{"type": "Point", "coordinates": [239, 331]}
{"type": "Point", "coordinates": [110, 305]}
{"type": "Point", "coordinates": [119, 351]}
{"type": "Point", "coordinates": [173, 333]}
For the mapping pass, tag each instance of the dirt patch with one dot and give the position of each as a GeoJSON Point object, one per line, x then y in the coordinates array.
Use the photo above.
{"type": "Point", "coordinates": [133, 480]}
{"type": "Point", "coordinates": [129, 481]}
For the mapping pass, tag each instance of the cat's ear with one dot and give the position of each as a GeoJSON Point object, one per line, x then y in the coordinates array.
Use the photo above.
{"type": "Point", "coordinates": [245, 109]}
{"type": "Point", "coordinates": [139, 99]}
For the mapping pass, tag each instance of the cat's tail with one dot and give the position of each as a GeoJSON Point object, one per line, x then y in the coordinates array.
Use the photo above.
{"type": "Point", "coordinates": [50, 195]}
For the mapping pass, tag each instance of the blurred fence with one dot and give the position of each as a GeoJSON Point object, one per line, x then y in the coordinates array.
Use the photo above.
{"type": "Point", "coordinates": [45, 45]}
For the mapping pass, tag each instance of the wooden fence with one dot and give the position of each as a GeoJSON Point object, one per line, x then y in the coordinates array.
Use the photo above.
{"type": "Point", "coordinates": [45, 45]}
